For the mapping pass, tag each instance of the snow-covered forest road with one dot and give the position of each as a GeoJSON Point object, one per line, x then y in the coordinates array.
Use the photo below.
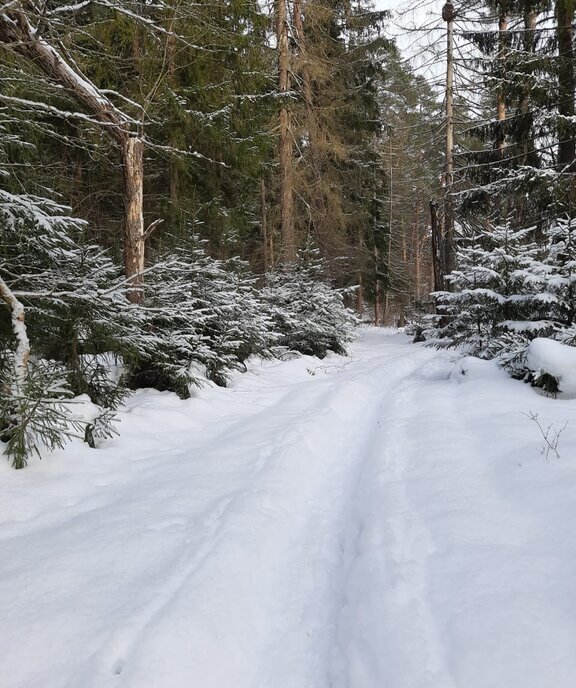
{"type": "Point", "coordinates": [378, 521]}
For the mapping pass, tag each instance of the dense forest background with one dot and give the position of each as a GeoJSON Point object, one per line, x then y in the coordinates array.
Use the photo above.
{"type": "Point", "coordinates": [200, 86]}
{"type": "Point", "coordinates": [184, 185]}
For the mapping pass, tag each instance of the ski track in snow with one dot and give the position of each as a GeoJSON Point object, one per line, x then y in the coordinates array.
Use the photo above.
{"type": "Point", "coordinates": [390, 548]}
{"type": "Point", "coordinates": [339, 524]}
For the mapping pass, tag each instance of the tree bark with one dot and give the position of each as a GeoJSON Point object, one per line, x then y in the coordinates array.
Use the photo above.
{"type": "Point", "coordinates": [566, 81]}
{"type": "Point", "coordinates": [437, 252]}
{"type": "Point", "coordinates": [501, 105]}
{"type": "Point", "coordinates": [132, 158]}
{"type": "Point", "coordinates": [417, 253]}
{"type": "Point", "coordinates": [378, 290]}
{"type": "Point", "coordinates": [318, 211]}
{"type": "Point", "coordinates": [22, 354]}
{"type": "Point", "coordinates": [264, 223]}
{"type": "Point", "coordinates": [360, 295]}
{"type": "Point", "coordinates": [390, 224]}
{"type": "Point", "coordinates": [404, 247]}
{"type": "Point", "coordinates": [448, 244]}
{"type": "Point", "coordinates": [288, 252]}
{"type": "Point", "coordinates": [306, 84]}
{"type": "Point", "coordinates": [527, 145]}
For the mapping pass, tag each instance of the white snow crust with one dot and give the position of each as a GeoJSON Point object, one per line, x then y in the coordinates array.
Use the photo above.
{"type": "Point", "coordinates": [380, 521]}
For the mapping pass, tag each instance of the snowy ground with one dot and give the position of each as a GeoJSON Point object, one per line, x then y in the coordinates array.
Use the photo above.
{"type": "Point", "coordinates": [378, 521]}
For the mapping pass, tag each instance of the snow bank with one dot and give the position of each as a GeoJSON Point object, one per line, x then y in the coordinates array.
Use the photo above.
{"type": "Point", "coordinates": [470, 368]}
{"type": "Point", "coordinates": [559, 360]}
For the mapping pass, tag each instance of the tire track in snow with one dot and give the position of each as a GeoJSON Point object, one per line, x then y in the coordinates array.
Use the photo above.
{"type": "Point", "coordinates": [313, 621]}
{"type": "Point", "coordinates": [380, 528]}
{"type": "Point", "coordinates": [178, 571]}
{"type": "Point", "coordinates": [202, 566]}
{"type": "Point", "coordinates": [273, 554]}
{"type": "Point", "coordinates": [387, 635]}
{"type": "Point", "coordinates": [213, 525]}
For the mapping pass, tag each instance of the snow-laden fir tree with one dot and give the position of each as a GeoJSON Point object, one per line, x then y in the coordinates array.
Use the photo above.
{"type": "Point", "coordinates": [499, 298]}
{"type": "Point", "coordinates": [561, 278]}
{"type": "Point", "coordinates": [308, 312]}
{"type": "Point", "coordinates": [36, 274]}
{"type": "Point", "coordinates": [199, 313]}
{"type": "Point", "coordinates": [561, 262]}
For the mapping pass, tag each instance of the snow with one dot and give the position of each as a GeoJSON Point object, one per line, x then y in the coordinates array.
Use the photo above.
{"type": "Point", "coordinates": [527, 325]}
{"type": "Point", "coordinates": [557, 359]}
{"type": "Point", "coordinates": [23, 349]}
{"type": "Point", "coordinates": [382, 520]}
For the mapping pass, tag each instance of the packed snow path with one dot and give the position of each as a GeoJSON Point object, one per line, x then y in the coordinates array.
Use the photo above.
{"type": "Point", "coordinates": [379, 521]}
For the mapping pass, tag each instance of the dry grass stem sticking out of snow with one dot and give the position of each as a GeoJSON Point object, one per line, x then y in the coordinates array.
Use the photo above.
{"type": "Point", "coordinates": [550, 434]}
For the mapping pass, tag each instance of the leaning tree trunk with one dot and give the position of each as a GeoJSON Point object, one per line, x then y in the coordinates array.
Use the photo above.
{"type": "Point", "coordinates": [16, 31]}
{"type": "Point", "coordinates": [22, 354]}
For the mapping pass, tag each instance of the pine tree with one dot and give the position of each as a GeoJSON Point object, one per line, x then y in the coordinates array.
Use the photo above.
{"type": "Point", "coordinates": [499, 301]}
{"type": "Point", "coordinates": [42, 278]}
{"type": "Point", "coordinates": [516, 186]}
{"type": "Point", "coordinates": [308, 313]}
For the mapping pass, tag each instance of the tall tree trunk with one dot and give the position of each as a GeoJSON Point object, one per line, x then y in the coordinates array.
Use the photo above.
{"type": "Point", "coordinates": [390, 224]}
{"type": "Point", "coordinates": [360, 295]}
{"type": "Point", "coordinates": [386, 316]}
{"type": "Point", "coordinates": [404, 247]}
{"type": "Point", "coordinates": [500, 141]}
{"type": "Point", "coordinates": [360, 291]}
{"type": "Point", "coordinates": [318, 211]}
{"type": "Point", "coordinates": [133, 163]}
{"type": "Point", "coordinates": [378, 290]}
{"type": "Point", "coordinates": [173, 182]}
{"type": "Point", "coordinates": [304, 70]}
{"type": "Point", "coordinates": [437, 253]}
{"type": "Point", "coordinates": [173, 169]}
{"type": "Point", "coordinates": [566, 81]}
{"type": "Point", "coordinates": [448, 244]}
{"type": "Point", "coordinates": [16, 31]}
{"type": "Point", "coordinates": [417, 253]}
{"type": "Point", "coordinates": [287, 236]}
{"type": "Point", "coordinates": [527, 145]}
{"type": "Point", "coordinates": [264, 224]}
